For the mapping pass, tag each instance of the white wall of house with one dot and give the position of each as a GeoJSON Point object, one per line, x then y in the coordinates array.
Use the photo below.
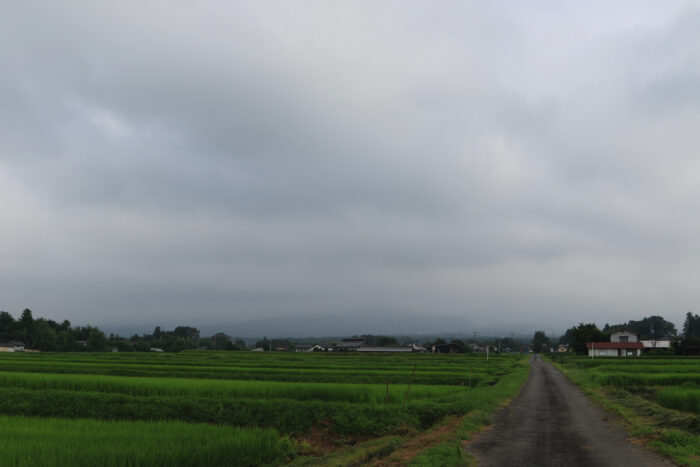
{"type": "Point", "coordinates": [623, 336]}
{"type": "Point", "coordinates": [614, 352]}
{"type": "Point", "coordinates": [602, 352]}
{"type": "Point", "coordinates": [659, 344]}
{"type": "Point", "coordinates": [7, 349]}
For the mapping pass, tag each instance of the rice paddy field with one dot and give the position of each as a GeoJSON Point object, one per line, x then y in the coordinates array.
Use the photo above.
{"type": "Point", "coordinates": [243, 408]}
{"type": "Point", "coordinates": [658, 397]}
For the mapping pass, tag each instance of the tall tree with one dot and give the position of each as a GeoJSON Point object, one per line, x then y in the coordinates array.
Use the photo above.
{"type": "Point", "coordinates": [653, 328]}
{"type": "Point", "coordinates": [579, 335]}
{"type": "Point", "coordinates": [96, 341]}
{"type": "Point", "coordinates": [44, 336]}
{"type": "Point", "coordinates": [691, 326]}
{"type": "Point", "coordinates": [540, 341]}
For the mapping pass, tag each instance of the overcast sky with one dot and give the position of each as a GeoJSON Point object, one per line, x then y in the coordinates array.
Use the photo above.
{"type": "Point", "coordinates": [204, 162]}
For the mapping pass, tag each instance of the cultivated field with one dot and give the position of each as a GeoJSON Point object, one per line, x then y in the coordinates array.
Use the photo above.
{"type": "Point", "coordinates": [659, 397]}
{"type": "Point", "coordinates": [242, 408]}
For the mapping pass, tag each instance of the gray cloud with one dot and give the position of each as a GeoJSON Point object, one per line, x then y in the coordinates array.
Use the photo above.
{"type": "Point", "coordinates": [250, 160]}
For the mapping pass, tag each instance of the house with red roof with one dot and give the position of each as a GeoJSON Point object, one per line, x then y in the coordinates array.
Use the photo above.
{"type": "Point", "coordinates": [622, 344]}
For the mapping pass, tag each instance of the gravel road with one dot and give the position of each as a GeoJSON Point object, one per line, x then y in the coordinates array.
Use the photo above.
{"type": "Point", "coordinates": [551, 423]}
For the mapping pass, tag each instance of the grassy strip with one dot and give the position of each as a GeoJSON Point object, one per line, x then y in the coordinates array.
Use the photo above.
{"type": "Point", "coordinates": [31, 442]}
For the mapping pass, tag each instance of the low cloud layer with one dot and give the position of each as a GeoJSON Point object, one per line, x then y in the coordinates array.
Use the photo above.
{"type": "Point", "coordinates": [506, 162]}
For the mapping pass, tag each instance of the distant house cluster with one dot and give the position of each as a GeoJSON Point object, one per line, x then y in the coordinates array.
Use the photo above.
{"type": "Point", "coordinates": [625, 344]}
{"type": "Point", "coordinates": [359, 344]}
{"type": "Point", "coordinates": [350, 344]}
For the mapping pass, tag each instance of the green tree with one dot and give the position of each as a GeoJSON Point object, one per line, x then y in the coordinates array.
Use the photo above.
{"type": "Point", "coordinates": [653, 328]}
{"type": "Point", "coordinates": [44, 336]}
{"type": "Point", "coordinates": [7, 325]}
{"type": "Point", "coordinates": [384, 341]}
{"type": "Point", "coordinates": [691, 326]}
{"type": "Point", "coordinates": [540, 342]}
{"type": "Point", "coordinates": [96, 341]}
{"type": "Point", "coordinates": [221, 341]}
{"type": "Point", "coordinates": [23, 330]}
{"type": "Point", "coordinates": [578, 336]}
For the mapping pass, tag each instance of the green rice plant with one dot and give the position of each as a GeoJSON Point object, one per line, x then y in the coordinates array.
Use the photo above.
{"type": "Point", "coordinates": [679, 398]}
{"type": "Point", "coordinates": [142, 386]}
{"type": "Point", "coordinates": [55, 442]}
{"type": "Point", "coordinates": [662, 379]}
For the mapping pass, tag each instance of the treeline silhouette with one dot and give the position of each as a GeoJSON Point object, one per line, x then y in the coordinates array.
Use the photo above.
{"type": "Point", "coordinates": [48, 335]}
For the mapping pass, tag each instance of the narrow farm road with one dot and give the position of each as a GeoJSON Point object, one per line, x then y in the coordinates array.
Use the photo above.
{"type": "Point", "coordinates": [552, 423]}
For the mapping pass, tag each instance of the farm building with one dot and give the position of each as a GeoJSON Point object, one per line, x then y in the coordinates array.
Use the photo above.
{"type": "Point", "coordinates": [308, 348]}
{"type": "Point", "coordinates": [614, 349]}
{"type": "Point", "coordinates": [391, 348]}
{"type": "Point", "coordinates": [445, 348]}
{"type": "Point", "coordinates": [351, 343]}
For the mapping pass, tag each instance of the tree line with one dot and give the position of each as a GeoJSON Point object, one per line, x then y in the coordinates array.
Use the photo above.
{"type": "Point", "coordinates": [48, 335]}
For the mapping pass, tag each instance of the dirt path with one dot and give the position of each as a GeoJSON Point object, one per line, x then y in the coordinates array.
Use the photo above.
{"type": "Point", "coordinates": [551, 423]}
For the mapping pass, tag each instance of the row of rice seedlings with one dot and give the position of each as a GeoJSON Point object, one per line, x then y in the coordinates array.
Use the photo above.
{"type": "Point", "coordinates": [370, 362]}
{"type": "Point", "coordinates": [587, 362]}
{"type": "Point", "coordinates": [144, 386]}
{"type": "Point", "coordinates": [422, 376]}
{"type": "Point", "coordinates": [647, 369]}
{"type": "Point", "coordinates": [684, 399]}
{"type": "Point", "coordinates": [33, 441]}
{"type": "Point", "coordinates": [274, 360]}
{"type": "Point", "coordinates": [663, 379]}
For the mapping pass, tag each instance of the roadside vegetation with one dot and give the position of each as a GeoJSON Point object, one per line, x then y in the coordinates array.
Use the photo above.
{"type": "Point", "coordinates": [657, 398]}
{"type": "Point", "coordinates": [247, 408]}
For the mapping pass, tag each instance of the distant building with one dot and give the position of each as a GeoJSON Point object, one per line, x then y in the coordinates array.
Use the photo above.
{"type": "Point", "coordinates": [445, 348]}
{"type": "Point", "coordinates": [156, 349]}
{"type": "Point", "coordinates": [308, 348]}
{"type": "Point", "coordinates": [562, 348]}
{"type": "Point", "coordinates": [12, 346]}
{"type": "Point", "coordinates": [351, 343]}
{"type": "Point", "coordinates": [392, 348]}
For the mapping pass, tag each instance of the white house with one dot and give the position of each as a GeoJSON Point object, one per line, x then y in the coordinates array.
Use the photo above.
{"type": "Point", "coordinates": [622, 344]}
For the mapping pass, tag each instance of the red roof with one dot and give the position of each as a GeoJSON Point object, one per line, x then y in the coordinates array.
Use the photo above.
{"type": "Point", "coordinates": [614, 345]}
